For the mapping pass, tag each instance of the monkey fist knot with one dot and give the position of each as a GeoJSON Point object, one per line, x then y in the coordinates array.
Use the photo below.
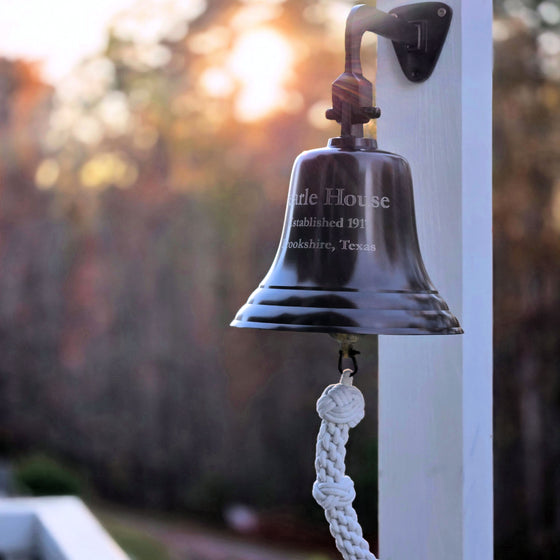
{"type": "Point", "coordinates": [341, 404]}
{"type": "Point", "coordinates": [331, 495]}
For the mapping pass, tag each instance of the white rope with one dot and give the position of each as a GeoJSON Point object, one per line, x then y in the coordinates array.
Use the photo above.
{"type": "Point", "coordinates": [340, 407]}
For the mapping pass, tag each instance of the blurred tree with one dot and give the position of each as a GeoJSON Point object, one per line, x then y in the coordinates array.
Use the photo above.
{"type": "Point", "coordinates": [165, 166]}
{"type": "Point", "coordinates": [527, 278]}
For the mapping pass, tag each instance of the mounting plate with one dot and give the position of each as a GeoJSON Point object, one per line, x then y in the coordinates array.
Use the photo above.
{"type": "Point", "coordinates": [433, 20]}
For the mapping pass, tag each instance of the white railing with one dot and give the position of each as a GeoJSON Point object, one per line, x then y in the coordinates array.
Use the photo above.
{"type": "Point", "coordinates": [57, 528]}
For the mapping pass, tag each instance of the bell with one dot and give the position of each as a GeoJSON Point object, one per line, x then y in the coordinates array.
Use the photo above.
{"type": "Point", "coordinates": [349, 260]}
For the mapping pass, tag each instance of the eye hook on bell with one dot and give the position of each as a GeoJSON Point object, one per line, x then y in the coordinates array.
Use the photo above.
{"type": "Point", "coordinates": [347, 351]}
{"type": "Point", "coordinates": [351, 354]}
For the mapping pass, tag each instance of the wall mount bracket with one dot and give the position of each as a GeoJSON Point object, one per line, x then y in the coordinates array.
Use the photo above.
{"type": "Point", "coordinates": [432, 20]}
{"type": "Point", "coordinates": [418, 33]}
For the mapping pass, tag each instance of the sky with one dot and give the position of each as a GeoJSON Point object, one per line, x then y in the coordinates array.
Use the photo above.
{"type": "Point", "coordinates": [57, 32]}
{"type": "Point", "coordinates": [60, 33]}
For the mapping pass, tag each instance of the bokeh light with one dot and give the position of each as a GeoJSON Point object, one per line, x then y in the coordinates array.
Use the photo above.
{"type": "Point", "coordinates": [261, 62]}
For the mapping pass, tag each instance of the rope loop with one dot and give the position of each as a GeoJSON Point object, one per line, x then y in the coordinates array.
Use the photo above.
{"type": "Point", "coordinates": [340, 407]}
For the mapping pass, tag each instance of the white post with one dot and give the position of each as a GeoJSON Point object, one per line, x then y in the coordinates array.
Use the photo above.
{"type": "Point", "coordinates": [435, 392]}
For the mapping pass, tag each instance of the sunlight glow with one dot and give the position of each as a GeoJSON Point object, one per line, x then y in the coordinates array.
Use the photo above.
{"type": "Point", "coordinates": [149, 21]}
{"type": "Point", "coordinates": [254, 15]}
{"type": "Point", "coordinates": [316, 114]}
{"type": "Point", "coordinates": [261, 63]}
{"type": "Point", "coordinates": [217, 82]}
{"type": "Point", "coordinates": [114, 112]}
{"type": "Point", "coordinates": [210, 41]}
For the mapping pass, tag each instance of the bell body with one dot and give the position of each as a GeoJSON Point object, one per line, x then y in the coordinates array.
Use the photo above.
{"type": "Point", "coordinates": [349, 259]}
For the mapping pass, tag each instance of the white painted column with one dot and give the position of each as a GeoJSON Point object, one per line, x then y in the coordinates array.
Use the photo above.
{"type": "Point", "coordinates": [435, 392]}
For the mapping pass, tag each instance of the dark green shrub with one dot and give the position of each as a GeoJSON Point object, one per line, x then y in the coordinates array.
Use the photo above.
{"type": "Point", "coordinates": [41, 475]}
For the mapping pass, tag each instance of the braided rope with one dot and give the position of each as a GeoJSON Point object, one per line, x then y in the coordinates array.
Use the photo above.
{"type": "Point", "coordinates": [340, 408]}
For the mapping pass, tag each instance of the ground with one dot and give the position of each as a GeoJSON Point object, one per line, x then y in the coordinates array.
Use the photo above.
{"type": "Point", "coordinates": [149, 538]}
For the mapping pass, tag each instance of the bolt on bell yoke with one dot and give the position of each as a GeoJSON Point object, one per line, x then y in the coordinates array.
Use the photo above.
{"type": "Point", "coordinates": [349, 261]}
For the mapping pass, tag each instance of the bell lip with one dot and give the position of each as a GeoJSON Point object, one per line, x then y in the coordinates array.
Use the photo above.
{"type": "Point", "coordinates": [409, 331]}
{"type": "Point", "coordinates": [353, 312]}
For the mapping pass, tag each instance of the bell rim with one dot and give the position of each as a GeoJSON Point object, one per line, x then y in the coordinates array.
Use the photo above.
{"type": "Point", "coordinates": [396, 331]}
{"type": "Point", "coordinates": [434, 318]}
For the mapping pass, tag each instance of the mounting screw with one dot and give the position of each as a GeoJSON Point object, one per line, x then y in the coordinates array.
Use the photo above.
{"type": "Point", "coordinates": [441, 12]}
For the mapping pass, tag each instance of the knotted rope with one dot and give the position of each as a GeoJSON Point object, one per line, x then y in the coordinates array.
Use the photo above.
{"type": "Point", "coordinates": [340, 408]}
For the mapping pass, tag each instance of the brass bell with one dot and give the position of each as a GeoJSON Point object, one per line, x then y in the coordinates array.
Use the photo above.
{"type": "Point", "coordinates": [349, 259]}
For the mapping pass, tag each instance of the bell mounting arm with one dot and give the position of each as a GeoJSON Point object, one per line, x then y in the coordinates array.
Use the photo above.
{"type": "Point", "coordinates": [418, 32]}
